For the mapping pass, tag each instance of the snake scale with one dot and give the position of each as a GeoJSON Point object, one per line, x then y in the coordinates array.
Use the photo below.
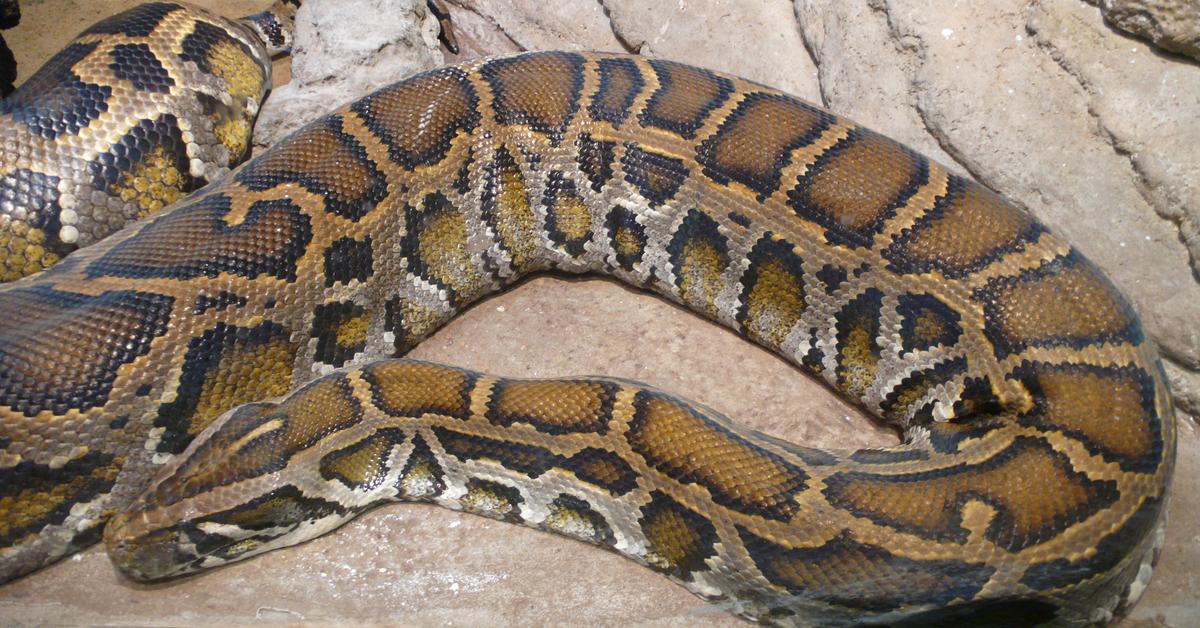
{"type": "Point", "coordinates": [142, 378]}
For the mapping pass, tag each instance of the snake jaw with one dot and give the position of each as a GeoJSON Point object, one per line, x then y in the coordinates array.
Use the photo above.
{"type": "Point", "coordinates": [154, 555]}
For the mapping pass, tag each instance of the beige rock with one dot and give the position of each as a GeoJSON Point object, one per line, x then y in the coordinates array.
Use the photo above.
{"type": "Point", "coordinates": [534, 25]}
{"type": "Point", "coordinates": [1172, 24]}
{"type": "Point", "coordinates": [477, 35]}
{"type": "Point", "coordinates": [757, 40]}
{"type": "Point", "coordinates": [866, 71]}
{"type": "Point", "coordinates": [1118, 80]}
{"type": "Point", "coordinates": [1055, 120]}
{"type": "Point", "coordinates": [346, 49]}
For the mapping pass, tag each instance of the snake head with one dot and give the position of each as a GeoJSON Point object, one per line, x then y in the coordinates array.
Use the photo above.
{"type": "Point", "coordinates": [225, 498]}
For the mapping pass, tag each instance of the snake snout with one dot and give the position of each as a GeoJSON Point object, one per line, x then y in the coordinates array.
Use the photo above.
{"type": "Point", "coordinates": [143, 556]}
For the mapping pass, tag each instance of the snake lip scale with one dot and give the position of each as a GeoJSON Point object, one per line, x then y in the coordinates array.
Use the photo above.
{"type": "Point", "coordinates": [221, 377]}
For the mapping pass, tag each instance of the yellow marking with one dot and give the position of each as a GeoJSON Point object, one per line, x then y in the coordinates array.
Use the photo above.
{"type": "Point", "coordinates": [929, 327]}
{"type": "Point", "coordinates": [700, 271]}
{"type": "Point", "coordinates": [234, 133]}
{"type": "Point", "coordinates": [27, 508]}
{"type": "Point", "coordinates": [515, 222]}
{"type": "Point", "coordinates": [243, 78]}
{"type": "Point", "coordinates": [362, 465]}
{"type": "Point", "coordinates": [21, 251]}
{"type": "Point", "coordinates": [244, 373]}
{"type": "Point", "coordinates": [482, 499]}
{"type": "Point", "coordinates": [572, 218]}
{"type": "Point", "coordinates": [672, 542]}
{"type": "Point", "coordinates": [775, 303]}
{"type": "Point", "coordinates": [443, 248]}
{"type": "Point", "coordinates": [574, 522]}
{"type": "Point", "coordinates": [627, 241]}
{"type": "Point", "coordinates": [269, 426]}
{"type": "Point", "coordinates": [858, 361]}
{"type": "Point", "coordinates": [420, 480]}
{"type": "Point", "coordinates": [417, 322]}
{"type": "Point", "coordinates": [152, 184]}
{"type": "Point", "coordinates": [352, 332]}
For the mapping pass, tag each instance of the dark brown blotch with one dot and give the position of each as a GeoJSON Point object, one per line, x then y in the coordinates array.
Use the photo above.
{"type": "Point", "coordinates": [420, 118]}
{"type": "Point", "coordinates": [837, 571]}
{"type": "Point", "coordinates": [531, 460]}
{"type": "Point", "coordinates": [602, 468]}
{"type": "Point", "coordinates": [968, 228]}
{"type": "Point", "coordinates": [195, 240]}
{"type": "Point", "coordinates": [620, 83]}
{"type": "Point", "coordinates": [929, 504]}
{"type": "Point", "coordinates": [686, 445]}
{"type": "Point", "coordinates": [657, 177]}
{"type": "Point", "coordinates": [754, 144]}
{"type": "Point", "coordinates": [404, 388]}
{"type": "Point", "coordinates": [1065, 302]}
{"type": "Point", "coordinates": [68, 348]}
{"type": "Point", "coordinates": [596, 159]}
{"type": "Point", "coordinates": [539, 90]}
{"type": "Point", "coordinates": [325, 161]}
{"type": "Point", "coordinates": [926, 322]}
{"type": "Point", "coordinates": [553, 406]}
{"type": "Point", "coordinates": [1110, 409]}
{"type": "Point", "coordinates": [853, 188]}
{"type": "Point", "coordinates": [684, 99]}
{"type": "Point", "coordinates": [348, 259]}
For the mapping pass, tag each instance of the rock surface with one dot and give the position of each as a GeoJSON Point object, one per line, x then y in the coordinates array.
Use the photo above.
{"type": "Point", "coordinates": [1171, 24]}
{"type": "Point", "coordinates": [758, 40]}
{"type": "Point", "coordinates": [346, 50]}
{"type": "Point", "coordinates": [1046, 105]}
{"type": "Point", "coordinates": [1094, 132]}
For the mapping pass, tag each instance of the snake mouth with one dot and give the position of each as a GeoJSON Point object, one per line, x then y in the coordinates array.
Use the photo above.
{"type": "Point", "coordinates": [159, 554]}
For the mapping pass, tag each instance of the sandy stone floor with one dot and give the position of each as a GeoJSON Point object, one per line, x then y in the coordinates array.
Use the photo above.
{"type": "Point", "coordinates": [416, 564]}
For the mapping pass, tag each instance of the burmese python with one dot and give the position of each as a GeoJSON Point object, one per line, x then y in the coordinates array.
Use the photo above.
{"type": "Point", "coordinates": [1039, 436]}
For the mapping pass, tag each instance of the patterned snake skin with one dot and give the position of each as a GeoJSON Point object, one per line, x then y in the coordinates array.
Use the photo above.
{"type": "Point", "coordinates": [1039, 436]}
{"type": "Point", "coordinates": [137, 111]}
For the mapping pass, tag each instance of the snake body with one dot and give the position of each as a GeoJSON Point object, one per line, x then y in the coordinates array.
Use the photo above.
{"type": "Point", "coordinates": [1039, 436]}
{"type": "Point", "coordinates": [136, 112]}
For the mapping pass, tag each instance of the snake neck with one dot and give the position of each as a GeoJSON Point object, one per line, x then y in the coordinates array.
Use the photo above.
{"type": "Point", "coordinates": [275, 26]}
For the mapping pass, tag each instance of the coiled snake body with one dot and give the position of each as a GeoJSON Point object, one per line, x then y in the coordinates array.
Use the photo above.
{"type": "Point", "coordinates": [1039, 437]}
